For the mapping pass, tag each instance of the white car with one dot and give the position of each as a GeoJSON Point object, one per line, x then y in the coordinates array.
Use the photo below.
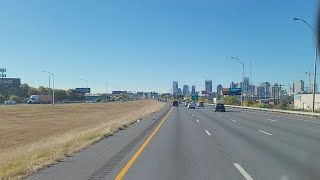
{"type": "Point", "coordinates": [10, 102]}
{"type": "Point", "coordinates": [191, 105]}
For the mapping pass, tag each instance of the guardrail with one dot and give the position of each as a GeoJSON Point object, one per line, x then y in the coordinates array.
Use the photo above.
{"type": "Point", "coordinates": [276, 110]}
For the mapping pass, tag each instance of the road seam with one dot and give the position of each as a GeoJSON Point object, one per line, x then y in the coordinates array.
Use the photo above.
{"type": "Point", "coordinates": [269, 134]}
{"type": "Point", "coordinates": [242, 171]}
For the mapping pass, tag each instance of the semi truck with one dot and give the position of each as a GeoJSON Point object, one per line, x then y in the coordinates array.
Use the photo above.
{"type": "Point", "coordinates": [40, 99]}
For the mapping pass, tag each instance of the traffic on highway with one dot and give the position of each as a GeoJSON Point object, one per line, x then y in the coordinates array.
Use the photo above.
{"type": "Point", "coordinates": [159, 90]}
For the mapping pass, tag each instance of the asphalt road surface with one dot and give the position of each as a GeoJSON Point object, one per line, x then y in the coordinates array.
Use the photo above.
{"type": "Point", "coordinates": [202, 144]}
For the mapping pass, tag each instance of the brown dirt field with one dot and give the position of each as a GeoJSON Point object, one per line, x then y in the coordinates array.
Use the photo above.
{"type": "Point", "coordinates": [33, 136]}
{"type": "Point", "coordinates": [24, 124]}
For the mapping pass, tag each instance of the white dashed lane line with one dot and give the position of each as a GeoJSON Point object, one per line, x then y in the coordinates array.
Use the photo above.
{"type": "Point", "coordinates": [272, 120]}
{"type": "Point", "coordinates": [269, 134]}
{"type": "Point", "coordinates": [207, 132]}
{"type": "Point", "coordinates": [233, 120]}
{"type": "Point", "coordinates": [242, 171]}
{"type": "Point", "coordinates": [197, 120]}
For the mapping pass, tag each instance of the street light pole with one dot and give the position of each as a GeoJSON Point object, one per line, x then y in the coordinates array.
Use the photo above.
{"type": "Point", "coordinates": [106, 92]}
{"type": "Point", "coordinates": [50, 73]}
{"type": "Point", "coordinates": [315, 60]}
{"type": "Point", "coordinates": [242, 78]}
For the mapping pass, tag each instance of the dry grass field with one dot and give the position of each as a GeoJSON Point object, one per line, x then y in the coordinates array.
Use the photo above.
{"type": "Point", "coordinates": [33, 136]}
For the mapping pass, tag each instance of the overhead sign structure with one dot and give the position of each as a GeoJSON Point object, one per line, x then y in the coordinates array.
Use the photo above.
{"type": "Point", "coordinates": [83, 90]}
{"type": "Point", "coordinates": [10, 82]}
{"type": "Point", "coordinates": [231, 91]}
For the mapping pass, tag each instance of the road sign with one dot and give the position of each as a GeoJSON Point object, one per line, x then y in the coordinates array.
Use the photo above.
{"type": "Point", "coordinates": [83, 90]}
{"type": "Point", "coordinates": [231, 91]}
{"type": "Point", "coordinates": [10, 82]}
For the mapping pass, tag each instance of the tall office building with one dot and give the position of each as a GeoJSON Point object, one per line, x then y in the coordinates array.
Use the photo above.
{"type": "Point", "coordinates": [208, 86]}
{"type": "Point", "coordinates": [234, 85]}
{"type": "Point", "coordinates": [245, 85]}
{"type": "Point", "coordinates": [175, 88]}
{"type": "Point", "coordinates": [219, 89]}
{"type": "Point", "coordinates": [311, 88]}
{"type": "Point", "coordinates": [193, 90]}
{"type": "Point", "coordinates": [259, 92]}
{"type": "Point", "coordinates": [299, 86]}
{"type": "Point", "coordinates": [266, 87]}
{"type": "Point", "coordinates": [185, 90]}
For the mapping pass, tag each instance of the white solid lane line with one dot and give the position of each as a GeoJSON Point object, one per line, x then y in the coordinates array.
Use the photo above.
{"type": "Point", "coordinates": [272, 120]}
{"type": "Point", "coordinates": [233, 120]}
{"type": "Point", "coordinates": [197, 120]}
{"type": "Point", "coordinates": [207, 132]}
{"type": "Point", "coordinates": [243, 172]}
{"type": "Point", "coordinates": [265, 133]}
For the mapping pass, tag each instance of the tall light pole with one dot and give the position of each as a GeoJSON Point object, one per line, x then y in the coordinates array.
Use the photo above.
{"type": "Point", "coordinates": [87, 82]}
{"type": "Point", "coordinates": [106, 92]}
{"type": "Point", "coordinates": [242, 78]}
{"type": "Point", "coordinates": [50, 73]}
{"type": "Point", "coordinates": [315, 59]}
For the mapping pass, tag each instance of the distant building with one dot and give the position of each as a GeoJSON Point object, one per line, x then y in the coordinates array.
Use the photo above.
{"type": "Point", "coordinates": [119, 92]}
{"type": "Point", "coordinates": [251, 90]}
{"type": "Point", "coordinates": [175, 87]}
{"type": "Point", "coordinates": [208, 86]}
{"type": "Point", "coordinates": [245, 85]}
{"type": "Point", "coordinates": [311, 88]}
{"type": "Point", "coordinates": [266, 87]}
{"type": "Point", "coordinates": [179, 91]}
{"type": "Point", "coordinates": [219, 89]}
{"type": "Point", "coordinates": [299, 86]}
{"type": "Point", "coordinates": [193, 90]}
{"type": "Point", "coordinates": [259, 92]}
{"type": "Point", "coordinates": [233, 85]}
{"type": "Point", "coordinates": [185, 90]}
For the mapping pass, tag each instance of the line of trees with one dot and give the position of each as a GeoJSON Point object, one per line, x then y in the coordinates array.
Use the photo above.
{"type": "Point", "coordinates": [22, 93]}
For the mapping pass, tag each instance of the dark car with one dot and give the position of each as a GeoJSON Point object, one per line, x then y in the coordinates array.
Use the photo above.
{"type": "Point", "coordinates": [175, 103]}
{"type": "Point", "coordinates": [200, 104]}
{"type": "Point", "coordinates": [219, 107]}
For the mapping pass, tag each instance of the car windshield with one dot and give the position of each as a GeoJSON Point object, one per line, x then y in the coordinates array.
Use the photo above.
{"type": "Point", "coordinates": [159, 89]}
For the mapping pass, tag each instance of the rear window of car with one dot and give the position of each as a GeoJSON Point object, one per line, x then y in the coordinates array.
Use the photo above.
{"type": "Point", "coordinates": [220, 105]}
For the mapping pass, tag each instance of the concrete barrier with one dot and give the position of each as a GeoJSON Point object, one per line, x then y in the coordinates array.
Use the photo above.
{"type": "Point", "coordinates": [276, 110]}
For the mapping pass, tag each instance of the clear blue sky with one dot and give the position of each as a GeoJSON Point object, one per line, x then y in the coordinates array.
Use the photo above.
{"type": "Point", "coordinates": [146, 44]}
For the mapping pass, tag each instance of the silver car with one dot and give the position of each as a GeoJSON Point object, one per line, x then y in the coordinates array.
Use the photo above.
{"type": "Point", "coordinates": [192, 105]}
{"type": "Point", "coordinates": [10, 102]}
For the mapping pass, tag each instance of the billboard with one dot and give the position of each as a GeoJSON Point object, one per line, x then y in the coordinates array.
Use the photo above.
{"type": "Point", "coordinates": [10, 82]}
{"type": "Point", "coordinates": [83, 90]}
{"type": "Point", "coordinates": [231, 91]}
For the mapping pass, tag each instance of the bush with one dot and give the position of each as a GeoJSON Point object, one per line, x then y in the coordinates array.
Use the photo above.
{"type": "Point", "coordinates": [231, 100]}
{"type": "Point", "coordinates": [247, 102]}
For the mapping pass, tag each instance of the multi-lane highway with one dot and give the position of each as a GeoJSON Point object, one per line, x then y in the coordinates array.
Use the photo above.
{"type": "Point", "coordinates": [202, 144]}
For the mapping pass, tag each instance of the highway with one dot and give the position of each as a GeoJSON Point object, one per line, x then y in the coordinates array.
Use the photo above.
{"type": "Point", "coordinates": [202, 144]}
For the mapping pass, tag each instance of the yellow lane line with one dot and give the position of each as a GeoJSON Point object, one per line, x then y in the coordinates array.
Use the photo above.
{"type": "Point", "coordinates": [143, 146]}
